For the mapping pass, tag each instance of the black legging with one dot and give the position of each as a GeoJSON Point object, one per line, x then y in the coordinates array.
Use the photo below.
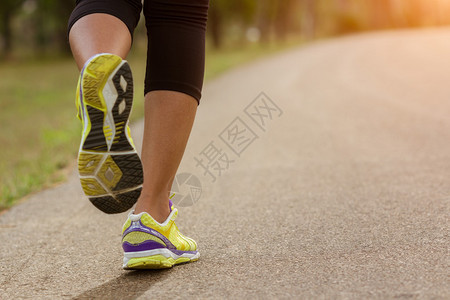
{"type": "Point", "coordinates": [176, 38]}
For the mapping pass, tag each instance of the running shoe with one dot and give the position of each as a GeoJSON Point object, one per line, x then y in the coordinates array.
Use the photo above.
{"type": "Point", "coordinates": [148, 244]}
{"type": "Point", "coordinates": [110, 169]}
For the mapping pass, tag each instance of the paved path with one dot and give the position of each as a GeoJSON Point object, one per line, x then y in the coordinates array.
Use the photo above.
{"type": "Point", "coordinates": [344, 195]}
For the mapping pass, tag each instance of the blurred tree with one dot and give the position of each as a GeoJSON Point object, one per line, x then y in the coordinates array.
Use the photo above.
{"type": "Point", "coordinates": [8, 8]}
{"type": "Point", "coordinates": [286, 13]}
{"type": "Point", "coordinates": [224, 13]}
{"type": "Point", "coordinates": [309, 16]}
{"type": "Point", "coordinates": [51, 18]}
{"type": "Point", "coordinates": [381, 13]}
{"type": "Point", "coordinates": [215, 22]}
{"type": "Point", "coordinates": [266, 9]}
{"type": "Point", "coordinates": [416, 13]}
{"type": "Point", "coordinates": [348, 16]}
{"type": "Point", "coordinates": [41, 24]}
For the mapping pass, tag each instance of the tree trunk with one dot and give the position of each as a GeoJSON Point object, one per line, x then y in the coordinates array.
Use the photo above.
{"type": "Point", "coordinates": [309, 26]}
{"type": "Point", "coordinates": [381, 14]}
{"type": "Point", "coordinates": [264, 20]}
{"type": "Point", "coordinates": [64, 10]}
{"type": "Point", "coordinates": [283, 18]}
{"type": "Point", "coordinates": [215, 25]}
{"type": "Point", "coordinates": [6, 17]}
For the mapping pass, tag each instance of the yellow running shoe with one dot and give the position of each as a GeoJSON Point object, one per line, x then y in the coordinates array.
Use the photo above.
{"type": "Point", "coordinates": [110, 169]}
{"type": "Point", "coordinates": [148, 244]}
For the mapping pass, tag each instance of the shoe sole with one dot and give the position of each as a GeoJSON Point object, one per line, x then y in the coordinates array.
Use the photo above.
{"type": "Point", "coordinates": [110, 170]}
{"type": "Point", "coordinates": [156, 259]}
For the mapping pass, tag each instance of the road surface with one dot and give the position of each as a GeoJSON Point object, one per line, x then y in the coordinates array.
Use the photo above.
{"type": "Point", "coordinates": [343, 192]}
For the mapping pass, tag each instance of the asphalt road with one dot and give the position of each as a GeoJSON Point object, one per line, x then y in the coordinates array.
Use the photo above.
{"type": "Point", "coordinates": [342, 192]}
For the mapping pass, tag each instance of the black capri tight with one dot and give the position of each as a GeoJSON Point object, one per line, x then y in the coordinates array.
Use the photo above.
{"type": "Point", "coordinates": [176, 38]}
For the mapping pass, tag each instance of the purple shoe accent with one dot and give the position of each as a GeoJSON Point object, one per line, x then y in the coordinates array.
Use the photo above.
{"type": "Point", "coordinates": [81, 93]}
{"type": "Point", "coordinates": [181, 252]}
{"type": "Point", "coordinates": [170, 205]}
{"type": "Point", "coordinates": [152, 245]}
{"type": "Point", "coordinates": [138, 226]}
{"type": "Point", "coordinates": [144, 246]}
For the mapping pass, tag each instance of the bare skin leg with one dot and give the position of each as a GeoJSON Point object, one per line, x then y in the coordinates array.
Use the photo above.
{"type": "Point", "coordinates": [91, 35]}
{"type": "Point", "coordinates": [169, 115]}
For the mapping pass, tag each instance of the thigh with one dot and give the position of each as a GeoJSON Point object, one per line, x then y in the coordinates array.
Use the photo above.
{"type": "Point", "coordinates": [176, 45]}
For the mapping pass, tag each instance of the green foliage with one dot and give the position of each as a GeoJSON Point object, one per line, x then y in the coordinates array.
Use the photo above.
{"type": "Point", "coordinates": [38, 135]}
{"type": "Point", "coordinates": [243, 10]}
{"type": "Point", "coordinates": [8, 8]}
{"type": "Point", "coordinates": [37, 27]}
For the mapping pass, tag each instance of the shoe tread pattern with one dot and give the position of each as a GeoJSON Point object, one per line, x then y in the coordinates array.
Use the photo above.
{"type": "Point", "coordinates": [111, 180]}
{"type": "Point", "coordinates": [131, 167]}
{"type": "Point", "coordinates": [123, 83]}
{"type": "Point", "coordinates": [95, 140]}
{"type": "Point", "coordinates": [118, 203]}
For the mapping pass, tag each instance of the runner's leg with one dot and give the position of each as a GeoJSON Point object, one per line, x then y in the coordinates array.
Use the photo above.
{"type": "Point", "coordinates": [175, 70]}
{"type": "Point", "coordinates": [91, 35]}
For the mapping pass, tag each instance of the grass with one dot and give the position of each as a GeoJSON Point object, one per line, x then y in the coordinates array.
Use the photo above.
{"type": "Point", "coordinates": [38, 127]}
{"type": "Point", "coordinates": [40, 134]}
